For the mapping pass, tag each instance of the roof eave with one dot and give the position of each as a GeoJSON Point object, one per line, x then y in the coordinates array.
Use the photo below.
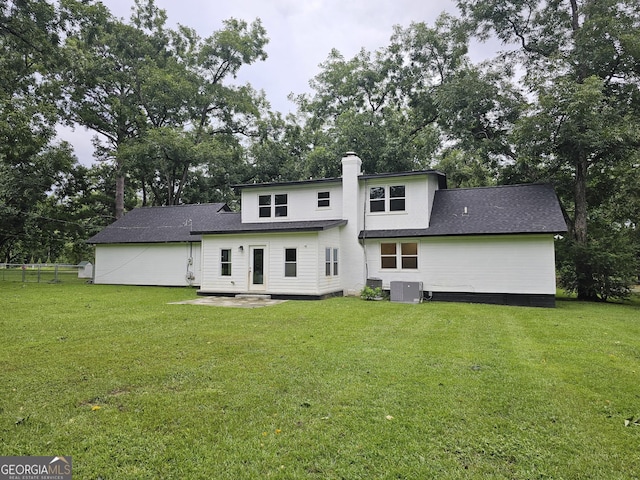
{"type": "Point", "coordinates": [273, 228]}
{"type": "Point", "coordinates": [425, 233]}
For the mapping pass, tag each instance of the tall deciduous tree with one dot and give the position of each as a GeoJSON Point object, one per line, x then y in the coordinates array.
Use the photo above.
{"type": "Point", "coordinates": [30, 163]}
{"type": "Point", "coordinates": [158, 95]}
{"type": "Point", "coordinates": [581, 68]}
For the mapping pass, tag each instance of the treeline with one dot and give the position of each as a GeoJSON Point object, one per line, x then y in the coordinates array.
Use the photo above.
{"type": "Point", "coordinates": [560, 104]}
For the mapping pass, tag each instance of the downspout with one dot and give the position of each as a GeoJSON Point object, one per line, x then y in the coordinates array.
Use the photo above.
{"type": "Point", "coordinates": [364, 233]}
{"type": "Point", "coordinates": [190, 276]}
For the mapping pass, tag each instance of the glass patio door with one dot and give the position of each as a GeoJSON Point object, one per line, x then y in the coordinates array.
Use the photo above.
{"type": "Point", "coordinates": [257, 273]}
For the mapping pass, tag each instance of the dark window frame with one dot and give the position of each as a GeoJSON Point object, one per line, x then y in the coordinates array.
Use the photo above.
{"type": "Point", "coordinates": [225, 263]}
{"type": "Point", "coordinates": [399, 255]}
{"type": "Point", "coordinates": [291, 262]}
{"type": "Point", "coordinates": [324, 199]}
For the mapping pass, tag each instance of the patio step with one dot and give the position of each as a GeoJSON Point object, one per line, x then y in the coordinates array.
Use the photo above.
{"type": "Point", "coordinates": [253, 296]}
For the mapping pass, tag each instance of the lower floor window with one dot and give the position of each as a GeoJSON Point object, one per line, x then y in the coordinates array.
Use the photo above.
{"type": "Point", "coordinates": [290, 262]}
{"type": "Point", "coordinates": [331, 261]}
{"type": "Point", "coordinates": [225, 262]}
{"type": "Point", "coordinates": [404, 255]}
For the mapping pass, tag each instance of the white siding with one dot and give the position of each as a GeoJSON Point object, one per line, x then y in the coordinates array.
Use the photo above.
{"type": "Point", "coordinates": [328, 284]}
{"type": "Point", "coordinates": [309, 280]}
{"type": "Point", "coordinates": [302, 202]}
{"type": "Point", "coordinates": [516, 264]}
{"type": "Point", "coordinates": [417, 203]}
{"type": "Point", "coordinates": [163, 264]}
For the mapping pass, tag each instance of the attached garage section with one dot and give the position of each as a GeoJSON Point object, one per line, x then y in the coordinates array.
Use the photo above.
{"type": "Point", "coordinates": [505, 264]}
{"type": "Point", "coordinates": [169, 264]}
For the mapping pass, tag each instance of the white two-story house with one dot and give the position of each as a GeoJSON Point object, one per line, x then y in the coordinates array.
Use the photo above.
{"type": "Point", "coordinates": [316, 238]}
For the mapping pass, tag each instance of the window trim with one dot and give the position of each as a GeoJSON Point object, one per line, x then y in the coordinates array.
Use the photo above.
{"type": "Point", "coordinates": [274, 205]}
{"type": "Point", "coordinates": [324, 199]}
{"type": "Point", "coordinates": [331, 268]}
{"type": "Point", "coordinates": [224, 263]}
{"type": "Point", "coordinates": [290, 263]}
{"type": "Point", "coordinates": [382, 201]}
{"type": "Point", "coordinates": [377, 200]}
{"type": "Point", "coordinates": [396, 199]}
{"type": "Point", "coordinates": [401, 259]}
{"type": "Point", "coordinates": [280, 209]}
{"type": "Point", "coordinates": [264, 206]}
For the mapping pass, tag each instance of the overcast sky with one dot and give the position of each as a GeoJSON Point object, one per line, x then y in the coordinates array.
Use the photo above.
{"type": "Point", "coordinates": [301, 34]}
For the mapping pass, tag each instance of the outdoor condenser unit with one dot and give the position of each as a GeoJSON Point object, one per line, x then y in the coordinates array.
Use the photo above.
{"type": "Point", "coordinates": [406, 292]}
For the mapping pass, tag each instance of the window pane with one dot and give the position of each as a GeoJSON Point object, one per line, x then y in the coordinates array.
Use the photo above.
{"type": "Point", "coordinates": [376, 193]}
{"type": "Point", "coordinates": [289, 269]}
{"type": "Point", "coordinates": [225, 269]}
{"type": "Point", "coordinates": [388, 262]}
{"type": "Point", "coordinates": [409, 262]}
{"type": "Point", "coordinates": [281, 211]}
{"type": "Point", "coordinates": [281, 199]}
{"type": "Point", "coordinates": [377, 206]}
{"type": "Point", "coordinates": [397, 191]}
{"type": "Point", "coordinates": [265, 212]}
{"type": "Point", "coordinates": [327, 269]}
{"type": "Point", "coordinates": [225, 255]}
{"type": "Point", "coordinates": [409, 249]}
{"type": "Point", "coordinates": [323, 195]}
{"type": "Point", "coordinates": [327, 255]}
{"type": "Point", "coordinates": [264, 200]}
{"type": "Point", "coordinates": [388, 248]}
{"type": "Point", "coordinates": [396, 205]}
{"type": "Point", "coordinates": [290, 255]}
{"type": "Point", "coordinates": [335, 261]}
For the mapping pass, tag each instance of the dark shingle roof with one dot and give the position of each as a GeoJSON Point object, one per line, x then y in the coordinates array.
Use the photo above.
{"type": "Point", "coordinates": [159, 224]}
{"type": "Point", "coordinates": [231, 223]}
{"type": "Point", "coordinates": [508, 209]}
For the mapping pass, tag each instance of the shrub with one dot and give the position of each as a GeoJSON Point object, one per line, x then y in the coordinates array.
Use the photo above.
{"type": "Point", "coordinates": [371, 293]}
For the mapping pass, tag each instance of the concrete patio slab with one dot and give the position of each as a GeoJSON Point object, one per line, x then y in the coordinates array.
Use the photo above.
{"type": "Point", "coordinates": [237, 302]}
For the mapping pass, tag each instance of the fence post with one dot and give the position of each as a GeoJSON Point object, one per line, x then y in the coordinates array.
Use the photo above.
{"type": "Point", "coordinates": [55, 277]}
{"type": "Point", "coordinates": [38, 273]}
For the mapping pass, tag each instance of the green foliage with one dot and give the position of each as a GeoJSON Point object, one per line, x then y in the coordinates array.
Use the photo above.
{"type": "Point", "coordinates": [613, 262]}
{"type": "Point", "coordinates": [371, 293]}
{"type": "Point", "coordinates": [133, 387]}
{"type": "Point", "coordinates": [580, 69]}
{"type": "Point", "coordinates": [159, 96]}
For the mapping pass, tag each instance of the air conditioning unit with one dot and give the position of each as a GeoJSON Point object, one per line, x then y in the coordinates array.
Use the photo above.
{"type": "Point", "coordinates": [406, 292]}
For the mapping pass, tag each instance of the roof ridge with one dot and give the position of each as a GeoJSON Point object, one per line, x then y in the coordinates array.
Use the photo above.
{"type": "Point", "coordinates": [486, 187]}
{"type": "Point", "coordinates": [181, 205]}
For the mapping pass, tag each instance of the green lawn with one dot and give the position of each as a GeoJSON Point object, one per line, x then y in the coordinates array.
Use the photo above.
{"type": "Point", "coordinates": [134, 388]}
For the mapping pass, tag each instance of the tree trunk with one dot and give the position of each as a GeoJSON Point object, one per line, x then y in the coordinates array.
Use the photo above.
{"type": "Point", "coordinates": [119, 194]}
{"type": "Point", "coordinates": [584, 273]}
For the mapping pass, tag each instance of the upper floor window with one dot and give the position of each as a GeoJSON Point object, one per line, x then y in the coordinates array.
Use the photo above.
{"type": "Point", "coordinates": [324, 199]}
{"type": "Point", "coordinates": [378, 199]}
{"type": "Point", "coordinates": [279, 203]}
{"type": "Point", "coordinates": [396, 198]}
{"type": "Point", "coordinates": [264, 205]}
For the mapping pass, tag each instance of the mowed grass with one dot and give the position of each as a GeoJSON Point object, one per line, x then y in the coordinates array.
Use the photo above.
{"type": "Point", "coordinates": [135, 388]}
